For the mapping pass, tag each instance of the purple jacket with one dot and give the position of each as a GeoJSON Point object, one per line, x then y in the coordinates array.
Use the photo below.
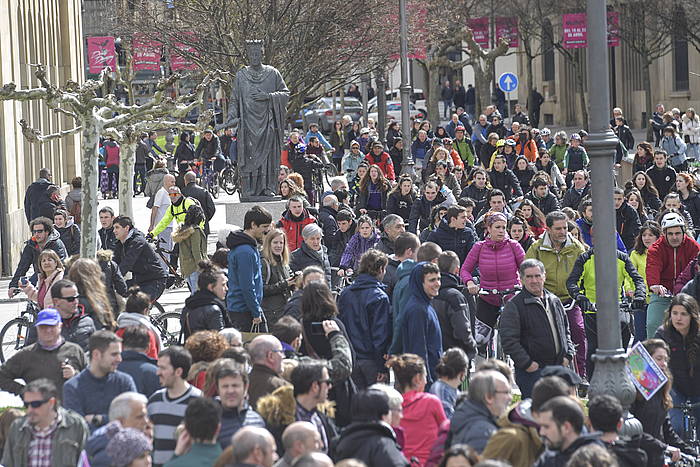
{"type": "Point", "coordinates": [356, 247]}
{"type": "Point", "coordinates": [498, 264]}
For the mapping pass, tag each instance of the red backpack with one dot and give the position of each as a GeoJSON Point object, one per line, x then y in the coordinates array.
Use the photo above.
{"type": "Point", "coordinates": [112, 151]}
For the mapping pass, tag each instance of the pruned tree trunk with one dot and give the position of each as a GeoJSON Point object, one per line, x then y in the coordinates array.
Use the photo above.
{"type": "Point", "coordinates": [648, 98]}
{"type": "Point", "coordinates": [126, 177]}
{"type": "Point", "coordinates": [90, 174]}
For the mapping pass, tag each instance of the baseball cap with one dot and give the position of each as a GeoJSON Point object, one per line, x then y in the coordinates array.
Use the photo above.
{"type": "Point", "coordinates": [48, 317]}
{"type": "Point", "coordinates": [568, 375]}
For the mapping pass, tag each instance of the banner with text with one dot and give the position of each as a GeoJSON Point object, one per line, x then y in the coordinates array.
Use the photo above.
{"type": "Point", "coordinates": [101, 53]}
{"type": "Point", "coordinates": [480, 28]}
{"type": "Point", "coordinates": [575, 30]}
{"type": "Point", "coordinates": [182, 61]}
{"type": "Point", "coordinates": [146, 54]}
{"type": "Point", "coordinates": [507, 27]}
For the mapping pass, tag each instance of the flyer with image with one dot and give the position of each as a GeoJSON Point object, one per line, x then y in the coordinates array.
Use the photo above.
{"type": "Point", "coordinates": [646, 375]}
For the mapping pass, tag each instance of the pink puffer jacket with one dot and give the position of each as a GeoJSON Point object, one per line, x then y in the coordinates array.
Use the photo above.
{"type": "Point", "coordinates": [498, 264]}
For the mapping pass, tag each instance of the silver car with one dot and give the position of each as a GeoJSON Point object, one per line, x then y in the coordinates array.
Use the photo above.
{"type": "Point", "coordinates": [321, 112]}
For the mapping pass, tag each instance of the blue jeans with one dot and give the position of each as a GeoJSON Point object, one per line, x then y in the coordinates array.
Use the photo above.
{"type": "Point", "coordinates": [448, 107]}
{"type": "Point", "coordinates": [192, 280]}
{"type": "Point", "coordinates": [655, 313]}
{"type": "Point", "coordinates": [677, 415]}
{"type": "Point", "coordinates": [526, 381]}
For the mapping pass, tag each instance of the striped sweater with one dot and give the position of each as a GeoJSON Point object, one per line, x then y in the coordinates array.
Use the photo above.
{"type": "Point", "coordinates": [166, 414]}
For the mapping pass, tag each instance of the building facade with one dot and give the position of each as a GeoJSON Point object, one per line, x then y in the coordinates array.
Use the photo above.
{"type": "Point", "coordinates": [48, 32]}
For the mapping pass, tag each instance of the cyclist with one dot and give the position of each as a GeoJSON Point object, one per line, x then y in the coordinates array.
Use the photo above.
{"type": "Point", "coordinates": [377, 156]}
{"type": "Point", "coordinates": [534, 328]}
{"type": "Point", "coordinates": [498, 258]}
{"type": "Point", "coordinates": [136, 258]}
{"type": "Point", "coordinates": [44, 237]}
{"type": "Point", "coordinates": [209, 149]}
{"type": "Point", "coordinates": [351, 161]}
{"type": "Point", "coordinates": [177, 211]}
{"type": "Point", "coordinates": [666, 259]}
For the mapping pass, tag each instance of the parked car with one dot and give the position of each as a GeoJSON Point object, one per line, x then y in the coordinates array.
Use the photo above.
{"type": "Point", "coordinates": [393, 111]}
{"type": "Point", "coordinates": [417, 97]}
{"type": "Point", "coordinates": [321, 112]}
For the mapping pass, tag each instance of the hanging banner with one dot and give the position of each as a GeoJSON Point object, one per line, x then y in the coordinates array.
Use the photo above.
{"type": "Point", "coordinates": [575, 34]}
{"type": "Point", "coordinates": [101, 53]}
{"type": "Point", "coordinates": [480, 28]}
{"type": "Point", "coordinates": [146, 54]}
{"type": "Point", "coordinates": [507, 27]}
{"type": "Point", "coordinates": [182, 62]}
{"type": "Point", "coordinates": [613, 28]}
{"type": "Point", "coordinates": [575, 30]}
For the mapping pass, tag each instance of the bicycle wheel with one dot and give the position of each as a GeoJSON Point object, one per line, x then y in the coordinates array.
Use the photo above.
{"type": "Point", "coordinates": [156, 309]}
{"type": "Point", "coordinates": [229, 180]}
{"type": "Point", "coordinates": [329, 172]}
{"type": "Point", "coordinates": [168, 325]}
{"type": "Point", "coordinates": [12, 337]}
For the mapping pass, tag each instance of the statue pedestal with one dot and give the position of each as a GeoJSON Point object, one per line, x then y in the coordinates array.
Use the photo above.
{"type": "Point", "coordinates": [235, 212]}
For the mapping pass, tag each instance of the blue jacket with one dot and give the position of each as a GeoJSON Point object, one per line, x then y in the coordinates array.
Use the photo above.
{"type": "Point", "coordinates": [365, 311]}
{"type": "Point", "coordinates": [321, 139]}
{"type": "Point", "coordinates": [459, 241]}
{"type": "Point", "coordinates": [585, 229]}
{"type": "Point", "coordinates": [419, 149]}
{"type": "Point", "coordinates": [420, 328]}
{"type": "Point", "coordinates": [398, 301]}
{"type": "Point", "coordinates": [143, 369]}
{"type": "Point", "coordinates": [233, 420]}
{"type": "Point", "coordinates": [245, 284]}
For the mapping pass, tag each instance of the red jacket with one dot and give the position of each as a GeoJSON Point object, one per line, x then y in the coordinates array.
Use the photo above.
{"type": "Point", "coordinates": [386, 165]}
{"type": "Point", "coordinates": [422, 416]}
{"type": "Point", "coordinates": [292, 228]}
{"type": "Point", "coordinates": [665, 264]}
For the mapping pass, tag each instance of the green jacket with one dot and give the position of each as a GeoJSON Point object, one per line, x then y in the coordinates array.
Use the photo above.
{"type": "Point", "coordinates": [193, 247]}
{"type": "Point", "coordinates": [175, 212]}
{"type": "Point", "coordinates": [582, 278]}
{"type": "Point", "coordinates": [199, 454]}
{"type": "Point", "coordinates": [558, 152]}
{"type": "Point", "coordinates": [558, 264]}
{"type": "Point", "coordinates": [640, 262]}
{"type": "Point", "coordinates": [66, 445]}
{"type": "Point", "coordinates": [465, 150]}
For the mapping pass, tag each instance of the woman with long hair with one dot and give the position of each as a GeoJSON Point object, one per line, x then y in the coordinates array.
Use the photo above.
{"type": "Point", "coordinates": [653, 413]}
{"type": "Point", "coordinates": [87, 275]}
{"type": "Point", "coordinates": [422, 411]}
{"type": "Point", "coordinates": [498, 258]}
{"type": "Point", "coordinates": [648, 234]}
{"type": "Point", "coordinates": [533, 216]}
{"type": "Point", "coordinates": [643, 157]}
{"type": "Point", "coordinates": [50, 271]}
{"type": "Point", "coordinates": [685, 187]}
{"type": "Point", "coordinates": [278, 280]}
{"type": "Point", "coordinates": [443, 172]}
{"type": "Point", "coordinates": [288, 188]}
{"type": "Point", "coordinates": [205, 310]}
{"type": "Point", "coordinates": [324, 336]}
{"type": "Point", "coordinates": [545, 163]}
{"type": "Point", "coordinates": [192, 240]}
{"type": "Point", "coordinates": [681, 331]}
{"type": "Point", "coordinates": [337, 140]}
{"type": "Point", "coordinates": [136, 311]}
{"type": "Point", "coordinates": [365, 237]}
{"type": "Point", "coordinates": [636, 201]}
{"type": "Point", "coordinates": [373, 192]}
{"type": "Point", "coordinates": [691, 133]}
{"type": "Point", "coordinates": [642, 182]}
{"type": "Point", "coordinates": [393, 132]}
{"type": "Point", "coordinates": [519, 230]}
{"type": "Point", "coordinates": [524, 171]}
{"type": "Point", "coordinates": [426, 126]}
{"type": "Point", "coordinates": [401, 198]}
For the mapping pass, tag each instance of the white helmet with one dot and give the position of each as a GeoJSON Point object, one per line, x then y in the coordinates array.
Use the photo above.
{"type": "Point", "coordinates": [672, 219]}
{"type": "Point", "coordinates": [545, 132]}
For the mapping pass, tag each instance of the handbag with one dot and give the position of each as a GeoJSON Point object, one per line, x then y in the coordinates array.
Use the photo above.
{"type": "Point", "coordinates": [259, 329]}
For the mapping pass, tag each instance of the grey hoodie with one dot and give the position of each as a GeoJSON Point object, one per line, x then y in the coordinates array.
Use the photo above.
{"type": "Point", "coordinates": [137, 319]}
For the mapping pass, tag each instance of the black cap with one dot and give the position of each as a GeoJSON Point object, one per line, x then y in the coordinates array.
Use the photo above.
{"type": "Point", "coordinates": [568, 375]}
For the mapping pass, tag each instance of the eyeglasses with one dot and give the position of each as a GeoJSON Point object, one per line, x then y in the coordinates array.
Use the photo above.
{"type": "Point", "coordinates": [38, 231]}
{"type": "Point", "coordinates": [35, 404]}
{"type": "Point", "coordinates": [70, 299]}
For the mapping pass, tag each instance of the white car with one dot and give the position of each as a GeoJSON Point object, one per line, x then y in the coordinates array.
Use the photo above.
{"type": "Point", "coordinates": [393, 111]}
{"type": "Point", "coordinates": [417, 97]}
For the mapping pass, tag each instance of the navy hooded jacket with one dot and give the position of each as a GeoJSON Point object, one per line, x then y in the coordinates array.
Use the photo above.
{"type": "Point", "coordinates": [365, 311]}
{"type": "Point", "coordinates": [245, 285]}
{"type": "Point", "coordinates": [420, 327]}
{"type": "Point", "coordinates": [458, 240]}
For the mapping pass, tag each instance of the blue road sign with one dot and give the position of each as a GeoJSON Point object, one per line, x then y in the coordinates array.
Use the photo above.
{"type": "Point", "coordinates": [508, 82]}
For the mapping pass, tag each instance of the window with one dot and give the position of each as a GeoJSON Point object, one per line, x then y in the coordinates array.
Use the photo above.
{"type": "Point", "coordinates": [548, 56]}
{"type": "Point", "coordinates": [681, 77]}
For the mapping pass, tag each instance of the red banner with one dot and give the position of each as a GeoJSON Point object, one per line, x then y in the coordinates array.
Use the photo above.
{"type": "Point", "coordinates": [575, 30]}
{"type": "Point", "coordinates": [146, 54]}
{"type": "Point", "coordinates": [101, 53]}
{"type": "Point", "coordinates": [507, 28]}
{"type": "Point", "coordinates": [182, 62]}
{"type": "Point", "coordinates": [480, 28]}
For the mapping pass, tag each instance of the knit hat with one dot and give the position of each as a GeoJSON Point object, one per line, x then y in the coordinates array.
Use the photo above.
{"type": "Point", "coordinates": [492, 217]}
{"type": "Point", "coordinates": [126, 444]}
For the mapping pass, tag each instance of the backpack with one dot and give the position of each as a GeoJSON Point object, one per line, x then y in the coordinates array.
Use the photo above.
{"type": "Point", "coordinates": [112, 154]}
{"type": "Point", "coordinates": [76, 211]}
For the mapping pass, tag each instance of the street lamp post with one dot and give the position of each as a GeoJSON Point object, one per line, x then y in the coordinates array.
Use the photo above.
{"type": "Point", "coordinates": [381, 106]}
{"type": "Point", "coordinates": [405, 89]}
{"type": "Point", "coordinates": [609, 376]}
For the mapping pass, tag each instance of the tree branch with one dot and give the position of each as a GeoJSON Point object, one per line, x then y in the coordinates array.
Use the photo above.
{"type": "Point", "coordinates": [35, 136]}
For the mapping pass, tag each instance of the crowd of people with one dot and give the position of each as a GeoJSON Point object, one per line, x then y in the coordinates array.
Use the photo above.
{"type": "Point", "coordinates": [347, 330]}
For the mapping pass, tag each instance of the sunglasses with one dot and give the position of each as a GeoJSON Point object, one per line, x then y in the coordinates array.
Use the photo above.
{"type": "Point", "coordinates": [35, 404]}
{"type": "Point", "coordinates": [70, 299]}
{"type": "Point", "coordinates": [38, 231]}
{"type": "Point", "coordinates": [174, 195]}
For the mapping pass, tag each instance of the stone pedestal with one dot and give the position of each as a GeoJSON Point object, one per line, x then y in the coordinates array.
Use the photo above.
{"type": "Point", "coordinates": [235, 212]}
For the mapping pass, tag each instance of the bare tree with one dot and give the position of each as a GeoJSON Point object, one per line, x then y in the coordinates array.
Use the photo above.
{"type": "Point", "coordinates": [483, 63]}
{"type": "Point", "coordinates": [95, 112]}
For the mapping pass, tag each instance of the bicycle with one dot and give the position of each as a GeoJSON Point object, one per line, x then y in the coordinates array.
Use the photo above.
{"type": "Point", "coordinates": [210, 179]}
{"type": "Point", "coordinates": [343, 281]}
{"type": "Point", "coordinates": [230, 178]}
{"type": "Point", "coordinates": [14, 334]}
{"type": "Point", "coordinates": [175, 280]}
{"type": "Point", "coordinates": [167, 323]}
{"type": "Point", "coordinates": [485, 334]}
{"type": "Point", "coordinates": [689, 424]}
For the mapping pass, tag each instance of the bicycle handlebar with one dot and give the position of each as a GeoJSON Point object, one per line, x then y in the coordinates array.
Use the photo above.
{"type": "Point", "coordinates": [501, 293]}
